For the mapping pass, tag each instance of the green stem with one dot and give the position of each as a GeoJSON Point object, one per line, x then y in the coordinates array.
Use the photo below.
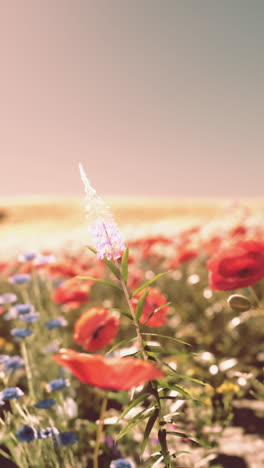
{"type": "Point", "coordinates": [133, 315]}
{"type": "Point", "coordinates": [153, 385]}
{"type": "Point", "coordinates": [28, 370]}
{"type": "Point", "coordinates": [99, 433]}
{"type": "Point", "coordinates": [254, 295]}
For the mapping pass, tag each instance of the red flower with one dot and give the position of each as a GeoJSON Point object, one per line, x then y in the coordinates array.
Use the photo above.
{"type": "Point", "coordinates": [110, 373]}
{"type": "Point", "coordinates": [72, 290]}
{"type": "Point", "coordinates": [153, 301]}
{"type": "Point", "coordinates": [96, 328]}
{"type": "Point", "coordinates": [183, 257]}
{"type": "Point", "coordinates": [61, 269]}
{"type": "Point", "coordinates": [135, 277]}
{"type": "Point", "coordinates": [237, 266]}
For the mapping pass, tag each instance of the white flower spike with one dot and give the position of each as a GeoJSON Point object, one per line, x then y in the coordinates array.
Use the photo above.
{"type": "Point", "coordinates": [105, 234]}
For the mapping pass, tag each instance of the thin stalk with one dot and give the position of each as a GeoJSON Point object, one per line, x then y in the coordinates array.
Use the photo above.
{"type": "Point", "coordinates": [99, 433]}
{"type": "Point", "coordinates": [254, 295]}
{"type": "Point", "coordinates": [133, 315]}
{"type": "Point", "coordinates": [28, 370]}
{"type": "Point", "coordinates": [153, 385]}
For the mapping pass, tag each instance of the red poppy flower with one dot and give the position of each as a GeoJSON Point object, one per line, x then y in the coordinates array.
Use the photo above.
{"type": "Point", "coordinates": [153, 301]}
{"type": "Point", "coordinates": [96, 328]}
{"type": "Point", "coordinates": [110, 373]}
{"type": "Point", "coordinates": [184, 256]}
{"type": "Point", "coordinates": [72, 290]}
{"type": "Point", "coordinates": [239, 231]}
{"type": "Point", "coordinates": [61, 269]}
{"type": "Point", "coordinates": [238, 266]}
{"type": "Point", "coordinates": [135, 277]}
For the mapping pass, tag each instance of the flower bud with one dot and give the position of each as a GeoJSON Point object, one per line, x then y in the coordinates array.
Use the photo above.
{"type": "Point", "coordinates": [239, 303]}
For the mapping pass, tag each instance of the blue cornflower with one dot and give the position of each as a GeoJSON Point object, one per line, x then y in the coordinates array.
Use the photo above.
{"type": "Point", "coordinates": [45, 404]}
{"type": "Point", "coordinates": [26, 433]}
{"type": "Point", "coordinates": [17, 310]}
{"type": "Point", "coordinates": [27, 257]}
{"type": "Point", "coordinates": [121, 463]}
{"type": "Point", "coordinates": [21, 332]}
{"type": "Point", "coordinates": [10, 393]}
{"type": "Point", "coordinates": [66, 438]}
{"type": "Point", "coordinates": [23, 308]}
{"type": "Point", "coordinates": [13, 363]}
{"type": "Point", "coordinates": [56, 323]}
{"type": "Point", "coordinates": [48, 432]}
{"type": "Point", "coordinates": [57, 384]}
{"type": "Point", "coordinates": [20, 278]}
{"type": "Point", "coordinates": [7, 298]}
{"type": "Point", "coordinates": [30, 318]}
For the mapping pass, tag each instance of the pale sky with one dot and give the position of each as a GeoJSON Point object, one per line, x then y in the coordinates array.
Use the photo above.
{"type": "Point", "coordinates": [154, 97]}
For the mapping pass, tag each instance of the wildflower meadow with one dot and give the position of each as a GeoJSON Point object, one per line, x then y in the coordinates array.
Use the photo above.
{"type": "Point", "coordinates": [137, 354]}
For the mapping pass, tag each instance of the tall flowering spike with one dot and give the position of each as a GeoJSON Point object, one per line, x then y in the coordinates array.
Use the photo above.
{"type": "Point", "coordinates": [104, 231]}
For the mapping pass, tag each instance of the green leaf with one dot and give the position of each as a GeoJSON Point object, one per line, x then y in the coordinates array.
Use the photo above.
{"type": "Point", "coordinates": [112, 267]}
{"type": "Point", "coordinates": [99, 280]}
{"type": "Point", "coordinates": [118, 345]}
{"type": "Point", "coordinates": [133, 404]}
{"type": "Point", "coordinates": [167, 337]}
{"type": "Point", "coordinates": [133, 422]}
{"type": "Point", "coordinates": [155, 311]}
{"type": "Point", "coordinates": [149, 282]}
{"type": "Point", "coordinates": [140, 305]}
{"type": "Point", "coordinates": [186, 377]}
{"type": "Point", "coordinates": [148, 429]}
{"type": "Point", "coordinates": [123, 312]}
{"type": "Point", "coordinates": [124, 264]}
{"type": "Point", "coordinates": [193, 439]}
{"type": "Point", "coordinates": [91, 249]}
{"type": "Point", "coordinates": [176, 388]}
{"type": "Point", "coordinates": [157, 349]}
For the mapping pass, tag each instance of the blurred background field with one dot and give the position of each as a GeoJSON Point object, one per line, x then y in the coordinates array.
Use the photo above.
{"type": "Point", "coordinates": [51, 222]}
{"type": "Point", "coordinates": [228, 344]}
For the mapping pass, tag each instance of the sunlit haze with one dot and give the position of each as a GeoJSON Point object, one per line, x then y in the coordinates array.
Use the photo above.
{"type": "Point", "coordinates": [155, 98]}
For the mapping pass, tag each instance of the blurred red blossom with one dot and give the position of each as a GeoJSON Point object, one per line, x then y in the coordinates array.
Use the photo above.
{"type": "Point", "coordinates": [109, 373]}
{"type": "Point", "coordinates": [72, 290]}
{"type": "Point", "coordinates": [96, 328]}
{"type": "Point", "coordinates": [237, 266]}
{"type": "Point", "coordinates": [153, 301]}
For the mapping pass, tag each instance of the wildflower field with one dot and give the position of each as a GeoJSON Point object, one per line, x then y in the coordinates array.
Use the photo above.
{"type": "Point", "coordinates": [144, 354]}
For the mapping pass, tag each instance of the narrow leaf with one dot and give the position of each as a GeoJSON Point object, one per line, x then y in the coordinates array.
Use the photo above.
{"type": "Point", "coordinates": [133, 422]}
{"type": "Point", "coordinates": [140, 305]}
{"type": "Point", "coordinates": [124, 264]}
{"type": "Point", "coordinates": [99, 280]}
{"type": "Point", "coordinates": [149, 282]}
{"type": "Point", "coordinates": [148, 429]}
{"type": "Point", "coordinates": [133, 404]}
{"type": "Point", "coordinates": [123, 312]}
{"type": "Point", "coordinates": [177, 388]}
{"type": "Point", "coordinates": [91, 249]}
{"type": "Point", "coordinates": [112, 267]}
{"type": "Point", "coordinates": [118, 345]}
{"type": "Point", "coordinates": [155, 311]}
{"type": "Point", "coordinates": [167, 337]}
{"type": "Point", "coordinates": [193, 439]}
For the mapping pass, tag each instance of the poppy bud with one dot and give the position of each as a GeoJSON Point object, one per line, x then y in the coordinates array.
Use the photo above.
{"type": "Point", "coordinates": [239, 303]}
